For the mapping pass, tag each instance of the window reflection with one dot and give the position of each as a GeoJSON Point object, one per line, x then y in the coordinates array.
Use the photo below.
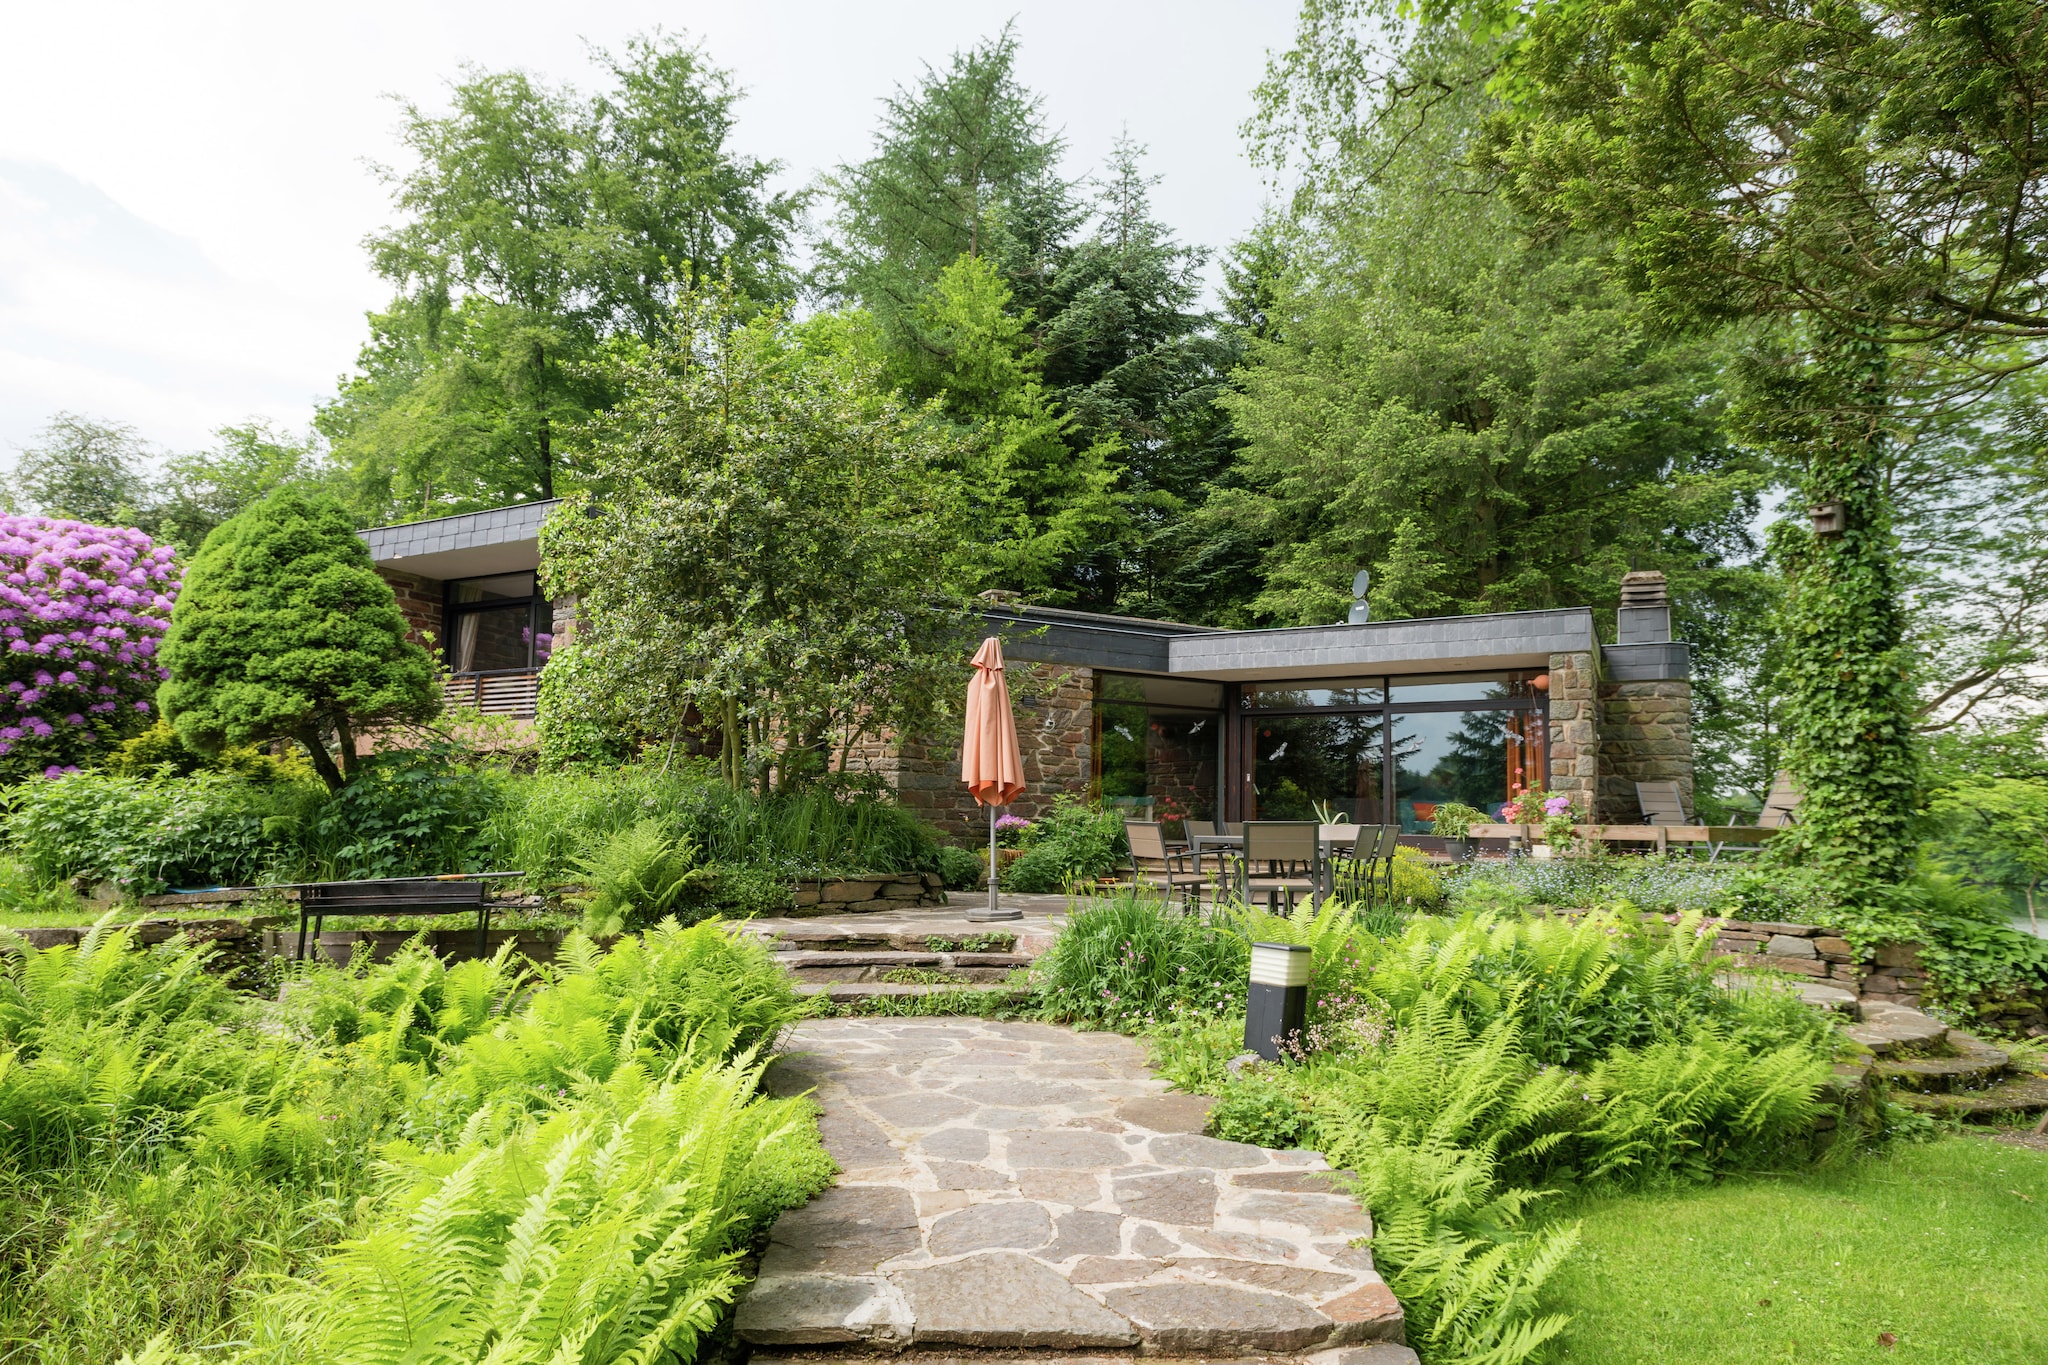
{"type": "Point", "coordinates": [1158, 763]}
{"type": "Point", "coordinates": [1302, 762]}
{"type": "Point", "coordinates": [1317, 692]}
{"type": "Point", "coordinates": [496, 623]}
{"type": "Point", "coordinates": [1474, 757]}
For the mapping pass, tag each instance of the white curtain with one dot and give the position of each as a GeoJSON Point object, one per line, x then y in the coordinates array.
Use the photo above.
{"type": "Point", "coordinates": [465, 641]}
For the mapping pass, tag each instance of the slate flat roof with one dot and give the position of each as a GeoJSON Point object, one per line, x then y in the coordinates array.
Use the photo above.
{"type": "Point", "coordinates": [468, 545]}
{"type": "Point", "coordinates": [1443, 644]}
{"type": "Point", "coordinates": [506, 540]}
{"type": "Point", "coordinates": [1449, 644]}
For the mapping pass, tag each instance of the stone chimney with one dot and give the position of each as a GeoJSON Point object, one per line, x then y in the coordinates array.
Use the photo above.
{"type": "Point", "coordinates": [1645, 614]}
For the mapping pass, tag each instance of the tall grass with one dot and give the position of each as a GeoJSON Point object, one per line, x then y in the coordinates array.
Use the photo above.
{"type": "Point", "coordinates": [548, 821]}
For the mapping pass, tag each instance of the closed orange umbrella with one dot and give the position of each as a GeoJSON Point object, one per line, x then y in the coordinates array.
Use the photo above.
{"type": "Point", "coordinates": [991, 764]}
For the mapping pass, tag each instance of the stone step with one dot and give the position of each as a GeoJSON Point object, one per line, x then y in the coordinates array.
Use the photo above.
{"type": "Point", "coordinates": [1822, 995]}
{"type": "Point", "coordinates": [787, 938]}
{"type": "Point", "coordinates": [2013, 1095]}
{"type": "Point", "coordinates": [1893, 1028]}
{"type": "Point", "coordinates": [843, 992]}
{"type": "Point", "coordinates": [798, 958]}
{"type": "Point", "coordinates": [831, 973]}
{"type": "Point", "coordinates": [1378, 1353]}
{"type": "Point", "coordinates": [815, 967]}
{"type": "Point", "coordinates": [1972, 1066]}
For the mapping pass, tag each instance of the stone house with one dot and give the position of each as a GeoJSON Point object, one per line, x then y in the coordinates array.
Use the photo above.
{"type": "Point", "coordinates": [1380, 721]}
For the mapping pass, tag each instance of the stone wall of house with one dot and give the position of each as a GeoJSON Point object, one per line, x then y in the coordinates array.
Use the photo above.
{"type": "Point", "coordinates": [1055, 709]}
{"type": "Point", "coordinates": [1645, 736]}
{"type": "Point", "coordinates": [420, 599]}
{"type": "Point", "coordinates": [562, 610]}
{"type": "Point", "coordinates": [1575, 740]}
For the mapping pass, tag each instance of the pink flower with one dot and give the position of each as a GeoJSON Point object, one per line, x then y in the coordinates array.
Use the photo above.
{"type": "Point", "coordinates": [72, 592]}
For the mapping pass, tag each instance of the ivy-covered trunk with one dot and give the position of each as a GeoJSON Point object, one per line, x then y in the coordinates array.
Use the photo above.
{"type": "Point", "coordinates": [1849, 738]}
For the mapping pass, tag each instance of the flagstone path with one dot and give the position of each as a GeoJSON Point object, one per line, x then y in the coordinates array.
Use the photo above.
{"type": "Point", "coordinates": [1020, 1187]}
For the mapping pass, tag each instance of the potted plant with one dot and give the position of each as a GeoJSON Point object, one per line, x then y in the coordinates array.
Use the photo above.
{"type": "Point", "coordinates": [1558, 827]}
{"type": "Point", "coordinates": [1453, 824]}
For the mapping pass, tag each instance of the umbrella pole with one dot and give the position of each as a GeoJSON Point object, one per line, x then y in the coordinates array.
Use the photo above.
{"type": "Point", "coordinates": [994, 911]}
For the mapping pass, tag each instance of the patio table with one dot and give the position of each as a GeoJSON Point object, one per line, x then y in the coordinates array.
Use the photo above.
{"type": "Point", "coordinates": [1326, 840]}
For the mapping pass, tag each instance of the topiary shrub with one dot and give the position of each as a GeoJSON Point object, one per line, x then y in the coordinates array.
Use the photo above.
{"type": "Point", "coordinates": [82, 609]}
{"type": "Point", "coordinates": [285, 631]}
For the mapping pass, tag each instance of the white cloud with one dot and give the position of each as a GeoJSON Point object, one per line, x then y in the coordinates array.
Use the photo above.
{"type": "Point", "coordinates": [183, 189]}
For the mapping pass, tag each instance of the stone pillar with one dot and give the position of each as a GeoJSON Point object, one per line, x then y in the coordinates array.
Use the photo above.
{"type": "Point", "coordinates": [1645, 736]}
{"type": "Point", "coordinates": [562, 620]}
{"type": "Point", "coordinates": [1645, 703]}
{"type": "Point", "coordinates": [1575, 727]}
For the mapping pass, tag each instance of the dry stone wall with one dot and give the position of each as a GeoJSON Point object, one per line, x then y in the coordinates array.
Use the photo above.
{"type": "Point", "coordinates": [1800, 949]}
{"type": "Point", "coordinates": [853, 895]}
{"type": "Point", "coordinates": [1892, 974]}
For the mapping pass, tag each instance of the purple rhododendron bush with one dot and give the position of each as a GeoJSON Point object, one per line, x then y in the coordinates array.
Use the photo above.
{"type": "Point", "coordinates": [82, 609]}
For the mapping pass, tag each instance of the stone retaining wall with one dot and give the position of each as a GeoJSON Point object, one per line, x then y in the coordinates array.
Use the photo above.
{"type": "Point", "coordinates": [1892, 974]}
{"type": "Point", "coordinates": [1801, 949]}
{"type": "Point", "coordinates": [857, 895]}
{"type": "Point", "coordinates": [450, 945]}
{"type": "Point", "coordinates": [240, 941]}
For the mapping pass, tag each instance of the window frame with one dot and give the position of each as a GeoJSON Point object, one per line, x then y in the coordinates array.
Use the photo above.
{"type": "Point", "coordinates": [539, 621]}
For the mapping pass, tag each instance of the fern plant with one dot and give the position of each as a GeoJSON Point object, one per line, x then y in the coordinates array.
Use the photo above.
{"type": "Point", "coordinates": [605, 1233]}
{"type": "Point", "coordinates": [636, 877]}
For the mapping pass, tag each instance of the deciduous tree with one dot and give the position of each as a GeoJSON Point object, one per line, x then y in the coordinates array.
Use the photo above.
{"type": "Point", "coordinates": [539, 226]}
{"type": "Point", "coordinates": [772, 560]}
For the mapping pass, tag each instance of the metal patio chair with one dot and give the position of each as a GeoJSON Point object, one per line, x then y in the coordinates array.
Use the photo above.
{"type": "Point", "coordinates": [1281, 857]}
{"type": "Point", "coordinates": [1160, 868]}
{"type": "Point", "coordinates": [1780, 810]}
{"type": "Point", "coordinates": [1369, 864]}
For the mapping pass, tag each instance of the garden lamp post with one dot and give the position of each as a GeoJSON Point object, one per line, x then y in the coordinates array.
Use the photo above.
{"type": "Point", "coordinates": [991, 764]}
{"type": "Point", "coordinates": [1276, 1005]}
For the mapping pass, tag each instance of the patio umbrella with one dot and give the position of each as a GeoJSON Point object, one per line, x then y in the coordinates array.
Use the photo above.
{"type": "Point", "coordinates": [990, 762]}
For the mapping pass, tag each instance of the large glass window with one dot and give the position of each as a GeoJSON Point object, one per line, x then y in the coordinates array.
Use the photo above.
{"type": "Point", "coordinates": [1286, 696]}
{"type": "Point", "coordinates": [1303, 766]}
{"type": "Point", "coordinates": [1391, 750]}
{"type": "Point", "coordinates": [496, 624]}
{"type": "Point", "coordinates": [1455, 688]}
{"type": "Point", "coordinates": [1158, 745]}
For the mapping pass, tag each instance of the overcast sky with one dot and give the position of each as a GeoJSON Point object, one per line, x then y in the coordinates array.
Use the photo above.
{"type": "Point", "coordinates": [183, 188]}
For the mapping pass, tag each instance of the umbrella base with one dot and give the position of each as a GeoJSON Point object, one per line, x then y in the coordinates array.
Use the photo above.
{"type": "Point", "coordinates": [987, 916]}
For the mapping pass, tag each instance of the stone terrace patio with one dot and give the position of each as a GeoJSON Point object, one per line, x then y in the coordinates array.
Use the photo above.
{"type": "Point", "coordinates": [1020, 1187]}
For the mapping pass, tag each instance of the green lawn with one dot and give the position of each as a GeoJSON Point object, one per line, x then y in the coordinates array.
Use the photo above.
{"type": "Point", "coordinates": [1944, 1246]}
